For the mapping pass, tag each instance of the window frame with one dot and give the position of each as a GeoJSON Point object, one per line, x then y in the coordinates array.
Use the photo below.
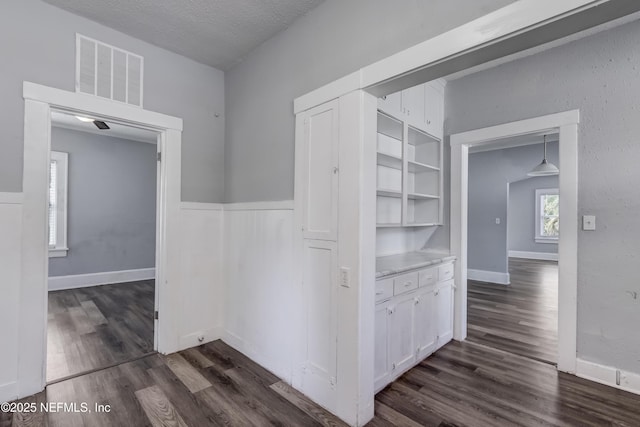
{"type": "Point", "coordinates": [60, 249]}
{"type": "Point", "coordinates": [539, 238]}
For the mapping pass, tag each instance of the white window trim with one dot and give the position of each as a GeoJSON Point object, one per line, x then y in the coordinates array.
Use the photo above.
{"type": "Point", "coordinates": [61, 248]}
{"type": "Point", "coordinates": [538, 237]}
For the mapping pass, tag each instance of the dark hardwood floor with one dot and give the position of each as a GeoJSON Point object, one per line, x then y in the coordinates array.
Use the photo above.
{"type": "Point", "coordinates": [463, 384]}
{"type": "Point", "coordinates": [521, 318]}
{"type": "Point", "coordinates": [96, 327]}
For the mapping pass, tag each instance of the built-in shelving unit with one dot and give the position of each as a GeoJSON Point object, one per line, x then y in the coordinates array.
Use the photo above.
{"type": "Point", "coordinates": [409, 173]}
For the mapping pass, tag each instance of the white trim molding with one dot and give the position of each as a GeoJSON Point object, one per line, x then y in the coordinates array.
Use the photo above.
{"type": "Point", "coordinates": [11, 198]}
{"type": "Point", "coordinates": [281, 205]}
{"type": "Point", "coordinates": [544, 256]}
{"type": "Point", "coordinates": [607, 375]}
{"type": "Point", "coordinates": [58, 283]}
{"type": "Point", "coordinates": [489, 276]}
{"type": "Point", "coordinates": [201, 206]}
{"type": "Point", "coordinates": [566, 123]}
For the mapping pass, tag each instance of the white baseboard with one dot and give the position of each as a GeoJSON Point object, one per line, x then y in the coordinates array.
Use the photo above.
{"type": "Point", "coordinates": [58, 283]}
{"type": "Point", "coordinates": [193, 339]}
{"type": "Point", "coordinates": [260, 206]}
{"type": "Point", "coordinates": [8, 392]}
{"type": "Point", "coordinates": [629, 381]}
{"type": "Point", "coordinates": [546, 256]}
{"type": "Point", "coordinates": [489, 276]}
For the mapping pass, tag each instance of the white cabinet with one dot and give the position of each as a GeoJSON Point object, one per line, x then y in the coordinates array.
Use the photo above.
{"type": "Point", "coordinates": [391, 102]}
{"type": "Point", "coordinates": [400, 341]}
{"type": "Point", "coordinates": [413, 102]}
{"type": "Point", "coordinates": [444, 312]}
{"type": "Point", "coordinates": [412, 322]}
{"type": "Point", "coordinates": [382, 366]}
{"type": "Point", "coordinates": [423, 324]}
{"type": "Point", "coordinates": [434, 107]}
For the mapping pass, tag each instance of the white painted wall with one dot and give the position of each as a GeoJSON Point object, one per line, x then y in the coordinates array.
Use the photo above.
{"type": "Point", "coordinates": [258, 258]}
{"type": "Point", "coordinates": [10, 256]}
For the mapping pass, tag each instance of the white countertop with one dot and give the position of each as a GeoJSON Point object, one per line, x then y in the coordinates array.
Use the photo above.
{"type": "Point", "coordinates": [394, 264]}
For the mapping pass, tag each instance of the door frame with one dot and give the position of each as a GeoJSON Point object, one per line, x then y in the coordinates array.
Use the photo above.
{"type": "Point", "coordinates": [39, 102]}
{"type": "Point", "coordinates": [566, 123]}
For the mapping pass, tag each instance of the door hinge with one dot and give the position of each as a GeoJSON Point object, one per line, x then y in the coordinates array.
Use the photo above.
{"type": "Point", "coordinates": [155, 314]}
{"type": "Point", "coordinates": [159, 156]}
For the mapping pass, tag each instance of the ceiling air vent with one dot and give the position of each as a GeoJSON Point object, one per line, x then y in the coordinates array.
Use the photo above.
{"type": "Point", "coordinates": [106, 71]}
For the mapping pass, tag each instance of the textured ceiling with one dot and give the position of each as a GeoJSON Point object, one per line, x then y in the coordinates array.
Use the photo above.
{"type": "Point", "coordinates": [214, 32]}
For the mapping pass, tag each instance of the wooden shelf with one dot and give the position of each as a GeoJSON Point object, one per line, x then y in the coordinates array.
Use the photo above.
{"type": "Point", "coordinates": [415, 167]}
{"type": "Point", "coordinates": [418, 196]}
{"type": "Point", "coordinates": [389, 161]}
{"type": "Point", "coordinates": [389, 193]}
{"type": "Point", "coordinates": [390, 126]}
{"type": "Point", "coordinates": [419, 137]}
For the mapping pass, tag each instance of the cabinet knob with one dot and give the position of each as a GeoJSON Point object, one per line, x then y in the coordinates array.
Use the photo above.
{"type": "Point", "coordinates": [335, 169]}
{"type": "Point", "coordinates": [428, 122]}
{"type": "Point", "coordinates": [393, 366]}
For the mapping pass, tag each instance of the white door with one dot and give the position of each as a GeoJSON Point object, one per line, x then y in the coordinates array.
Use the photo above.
{"type": "Point", "coordinates": [320, 181]}
{"type": "Point", "coordinates": [433, 109]}
{"type": "Point", "coordinates": [413, 102]}
{"type": "Point", "coordinates": [444, 310]}
{"type": "Point", "coordinates": [425, 324]}
{"type": "Point", "coordinates": [401, 348]}
{"type": "Point", "coordinates": [391, 103]}
{"type": "Point", "coordinates": [381, 351]}
{"type": "Point", "coordinates": [320, 287]}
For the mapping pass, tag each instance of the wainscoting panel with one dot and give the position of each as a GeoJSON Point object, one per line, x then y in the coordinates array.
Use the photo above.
{"type": "Point", "coordinates": [201, 316]}
{"type": "Point", "coordinates": [260, 296]}
{"type": "Point", "coordinates": [10, 266]}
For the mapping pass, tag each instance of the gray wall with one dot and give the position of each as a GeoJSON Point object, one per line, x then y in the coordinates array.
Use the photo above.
{"type": "Point", "coordinates": [490, 173]}
{"type": "Point", "coordinates": [599, 75]}
{"type": "Point", "coordinates": [112, 203]}
{"type": "Point", "coordinates": [521, 226]}
{"type": "Point", "coordinates": [38, 45]}
{"type": "Point", "coordinates": [336, 38]}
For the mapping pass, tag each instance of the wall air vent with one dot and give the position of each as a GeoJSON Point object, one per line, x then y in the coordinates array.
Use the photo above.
{"type": "Point", "coordinates": [107, 71]}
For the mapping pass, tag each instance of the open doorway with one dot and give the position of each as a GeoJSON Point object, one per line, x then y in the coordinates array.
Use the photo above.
{"type": "Point", "coordinates": [513, 236]}
{"type": "Point", "coordinates": [566, 125]}
{"type": "Point", "coordinates": [103, 180]}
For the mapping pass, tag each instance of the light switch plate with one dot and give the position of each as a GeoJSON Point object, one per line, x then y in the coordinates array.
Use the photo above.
{"type": "Point", "coordinates": [588, 222]}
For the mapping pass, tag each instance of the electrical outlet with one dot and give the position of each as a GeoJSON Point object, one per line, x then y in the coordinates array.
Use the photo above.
{"type": "Point", "coordinates": [345, 277]}
{"type": "Point", "coordinates": [588, 222]}
{"type": "Point", "coordinates": [497, 221]}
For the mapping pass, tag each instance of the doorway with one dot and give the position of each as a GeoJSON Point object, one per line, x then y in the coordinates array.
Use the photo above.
{"type": "Point", "coordinates": [566, 125]}
{"type": "Point", "coordinates": [513, 235]}
{"type": "Point", "coordinates": [40, 101]}
{"type": "Point", "coordinates": [102, 244]}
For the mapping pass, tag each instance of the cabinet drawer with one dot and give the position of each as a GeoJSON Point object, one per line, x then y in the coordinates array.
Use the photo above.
{"type": "Point", "coordinates": [428, 277]}
{"type": "Point", "coordinates": [384, 289]}
{"type": "Point", "coordinates": [445, 272]}
{"type": "Point", "coordinates": [405, 283]}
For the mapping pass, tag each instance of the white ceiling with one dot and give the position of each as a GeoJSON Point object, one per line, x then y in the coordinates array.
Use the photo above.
{"type": "Point", "coordinates": [214, 32]}
{"type": "Point", "coordinates": [69, 121]}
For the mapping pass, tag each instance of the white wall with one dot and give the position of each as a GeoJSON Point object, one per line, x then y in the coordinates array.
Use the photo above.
{"type": "Point", "coordinates": [38, 45]}
{"type": "Point", "coordinates": [598, 75]}
{"type": "Point", "coordinates": [258, 242]}
{"type": "Point", "coordinates": [10, 256]}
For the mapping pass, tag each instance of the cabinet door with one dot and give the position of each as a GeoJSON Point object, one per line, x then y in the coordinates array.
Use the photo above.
{"type": "Point", "coordinates": [444, 310]}
{"type": "Point", "coordinates": [401, 347]}
{"type": "Point", "coordinates": [413, 102]}
{"type": "Point", "coordinates": [381, 352]}
{"type": "Point", "coordinates": [320, 181]}
{"type": "Point", "coordinates": [391, 103]}
{"type": "Point", "coordinates": [425, 324]}
{"type": "Point", "coordinates": [433, 110]}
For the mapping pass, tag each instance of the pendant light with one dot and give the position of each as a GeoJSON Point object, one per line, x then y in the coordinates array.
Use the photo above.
{"type": "Point", "coordinates": [545, 168]}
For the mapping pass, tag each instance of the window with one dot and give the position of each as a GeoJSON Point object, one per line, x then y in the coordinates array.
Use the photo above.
{"type": "Point", "coordinates": [547, 215]}
{"type": "Point", "coordinates": [58, 204]}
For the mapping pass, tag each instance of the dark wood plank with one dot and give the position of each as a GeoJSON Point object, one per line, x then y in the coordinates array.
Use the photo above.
{"type": "Point", "coordinates": [159, 410]}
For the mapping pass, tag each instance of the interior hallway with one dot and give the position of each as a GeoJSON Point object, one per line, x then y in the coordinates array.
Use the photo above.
{"type": "Point", "coordinates": [521, 318]}
{"type": "Point", "coordinates": [98, 326]}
